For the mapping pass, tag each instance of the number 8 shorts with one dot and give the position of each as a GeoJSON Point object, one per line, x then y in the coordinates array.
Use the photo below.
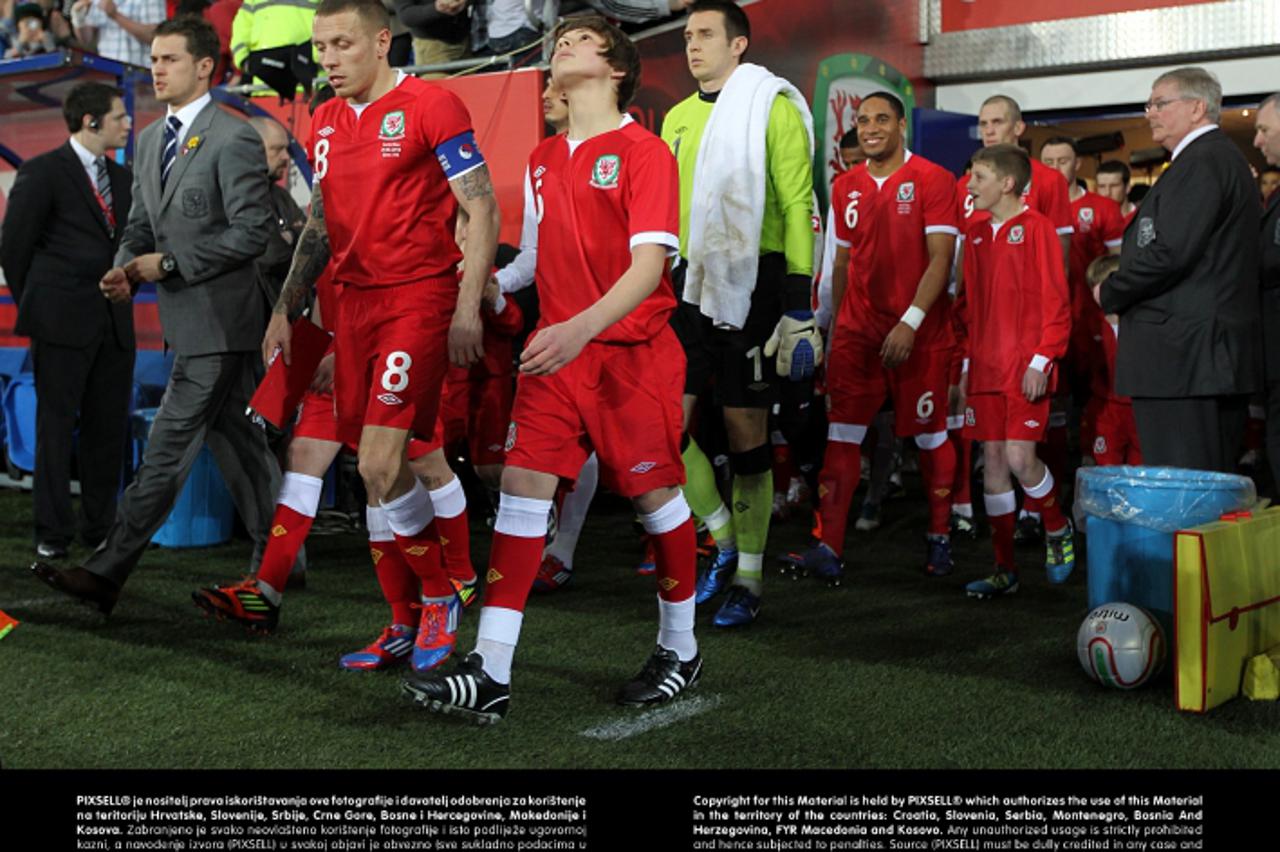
{"type": "Point", "coordinates": [390, 355]}
{"type": "Point", "coordinates": [858, 384]}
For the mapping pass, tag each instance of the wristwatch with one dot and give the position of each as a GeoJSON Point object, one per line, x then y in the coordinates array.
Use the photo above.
{"type": "Point", "coordinates": [168, 263]}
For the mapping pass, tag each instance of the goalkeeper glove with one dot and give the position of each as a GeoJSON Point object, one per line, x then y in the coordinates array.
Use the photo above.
{"type": "Point", "coordinates": [798, 345]}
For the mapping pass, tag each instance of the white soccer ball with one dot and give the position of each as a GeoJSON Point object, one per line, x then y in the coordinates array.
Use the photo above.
{"type": "Point", "coordinates": [1121, 645]}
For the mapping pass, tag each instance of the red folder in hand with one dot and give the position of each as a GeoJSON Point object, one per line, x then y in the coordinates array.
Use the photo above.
{"type": "Point", "coordinates": [280, 393]}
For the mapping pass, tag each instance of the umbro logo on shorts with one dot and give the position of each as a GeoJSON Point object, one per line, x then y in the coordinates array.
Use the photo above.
{"type": "Point", "coordinates": [1032, 424]}
{"type": "Point", "coordinates": [390, 399]}
{"type": "Point", "coordinates": [644, 467]}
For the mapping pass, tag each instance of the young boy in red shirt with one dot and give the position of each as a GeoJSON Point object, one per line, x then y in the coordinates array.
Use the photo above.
{"type": "Point", "coordinates": [1115, 433]}
{"type": "Point", "coordinates": [603, 372]}
{"type": "Point", "coordinates": [1015, 311]}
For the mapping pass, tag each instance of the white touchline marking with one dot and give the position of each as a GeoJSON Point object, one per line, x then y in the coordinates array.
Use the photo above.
{"type": "Point", "coordinates": [30, 602]}
{"type": "Point", "coordinates": [651, 720]}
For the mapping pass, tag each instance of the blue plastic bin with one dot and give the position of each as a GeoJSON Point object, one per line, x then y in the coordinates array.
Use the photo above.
{"type": "Point", "coordinates": [1133, 515]}
{"type": "Point", "coordinates": [204, 514]}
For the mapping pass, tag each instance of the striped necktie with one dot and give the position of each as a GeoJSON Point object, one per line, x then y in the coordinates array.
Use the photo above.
{"type": "Point", "coordinates": [171, 129]}
{"type": "Point", "coordinates": [104, 182]}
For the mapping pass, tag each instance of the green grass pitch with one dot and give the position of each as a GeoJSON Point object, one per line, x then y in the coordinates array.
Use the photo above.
{"type": "Point", "coordinates": [891, 670]}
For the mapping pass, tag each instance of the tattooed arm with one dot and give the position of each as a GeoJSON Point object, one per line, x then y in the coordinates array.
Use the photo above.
{"type": "Point", "coordinates": [474, 192]}
{"type": "Point", "coordinates": [309, 260]}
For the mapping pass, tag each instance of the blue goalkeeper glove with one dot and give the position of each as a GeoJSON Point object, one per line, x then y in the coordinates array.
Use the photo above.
{"type": "Point", "coordinates": [798, 345]}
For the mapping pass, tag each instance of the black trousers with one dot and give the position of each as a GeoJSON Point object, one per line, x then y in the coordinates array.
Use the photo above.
{"type": "Point", "coordinates": [93, 382]}
{"type": "Point", "coordinates": [1201, 432]}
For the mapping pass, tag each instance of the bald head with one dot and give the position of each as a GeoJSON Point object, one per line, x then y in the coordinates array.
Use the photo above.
{"type": "Point", "coordinates": [275, 141]}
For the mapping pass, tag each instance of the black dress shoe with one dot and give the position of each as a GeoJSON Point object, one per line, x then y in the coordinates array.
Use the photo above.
{"type": "Point", "coordinates": [80, 584]}
{"type": "Point", "coordinates": [50, 550]}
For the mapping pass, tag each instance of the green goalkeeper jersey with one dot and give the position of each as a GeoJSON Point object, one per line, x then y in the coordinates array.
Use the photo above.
{"type": "Point", "coordinates": [788, 192]}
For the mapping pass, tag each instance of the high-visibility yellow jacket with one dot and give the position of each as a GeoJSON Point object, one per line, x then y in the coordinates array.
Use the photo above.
{"type": "Point", "coordinates": [264, 24]}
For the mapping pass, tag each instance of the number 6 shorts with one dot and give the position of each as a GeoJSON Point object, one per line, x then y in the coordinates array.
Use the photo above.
{"type": "Point", "coordinates": [391, 352]}
{"type": "Point", "coordinates": [858, 385]}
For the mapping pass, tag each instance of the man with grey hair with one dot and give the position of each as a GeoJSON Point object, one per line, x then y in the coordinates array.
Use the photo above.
{"type": "Point", "coordinates": [1267, 140]}
{"type": "Point", "coordinates": [1187, 288]}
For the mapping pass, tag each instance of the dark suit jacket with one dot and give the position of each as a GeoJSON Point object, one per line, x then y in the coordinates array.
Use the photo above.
{"type": "Point", "coordinates": [55, 245]}
{"type": "Point", "coordinates": [213, 215]}
{"type": "Point", "coordinates": [1269, 246]}
{"type": "Point", "coordinates": [1187, 287]}
{"type": "Point", "coordinates": [287, 221]}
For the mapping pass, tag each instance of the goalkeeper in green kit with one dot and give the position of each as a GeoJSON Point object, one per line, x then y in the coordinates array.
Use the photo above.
{"type": "Point", "coordinates": [744, 145]}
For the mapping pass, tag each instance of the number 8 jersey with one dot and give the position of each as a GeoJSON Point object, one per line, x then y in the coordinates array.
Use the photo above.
{"type": "Point", "coordinates": [384, 170]}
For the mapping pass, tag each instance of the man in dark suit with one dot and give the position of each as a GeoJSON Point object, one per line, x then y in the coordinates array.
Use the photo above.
{"type": "Point", "coordinates": [286, 216]}
{"type": "Point", "coordinates": [199, 221]}
{"type": "Point", "coordinates": [66, 211]}
{"type": "Point", "coordinates": [1187, 288]}
{"type": "Point", "coordinates": [1267, 140]}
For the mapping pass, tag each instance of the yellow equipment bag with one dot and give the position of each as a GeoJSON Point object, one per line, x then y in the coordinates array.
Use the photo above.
{"type": "Point", "coordinates": [1226, 591]}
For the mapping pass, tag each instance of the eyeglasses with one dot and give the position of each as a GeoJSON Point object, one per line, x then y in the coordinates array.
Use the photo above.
{"type": "Point", "coordinates": [1158, 105]}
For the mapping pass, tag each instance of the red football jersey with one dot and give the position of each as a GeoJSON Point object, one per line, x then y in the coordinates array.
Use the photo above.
{"type": "Point", "coordinates": [384, 172]}
{"type": "Point", "coordinates": [595, 203]}
{"type": "Point", "coordinates": [1099, 227]}
{"type": "Point", "coordinates": [884, 228]}
{"type": "Point", "coordinates": [1104, 375]}
{"type": "Point", "coordinates": [1046, 193]}
{"type": "Point", "coordinates": [1015, 303]}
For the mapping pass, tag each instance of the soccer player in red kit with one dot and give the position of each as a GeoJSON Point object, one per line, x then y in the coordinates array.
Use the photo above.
{"type": "Point", "coordinates": [896, 229]}
{"type": "Point", "coordinates": [1000, 123]}
{"type": "Point", "coordinates": [604, 370]}
{"type": "Point", "coordinates": [1099, 230]}
{"type": "Point", "coordinates": [1113, 182]}
{"type": "Point", "coordinates": [394, 157]}
{"type": "Point", "coordinates": [1115, 432]}
{"type": "Point", "coordinates": [1016, 315]}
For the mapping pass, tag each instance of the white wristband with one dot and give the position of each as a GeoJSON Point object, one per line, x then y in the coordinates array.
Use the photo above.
{"type": "Point", "coordinates": [1041, 363]}
{"type": "Point", "coordinates": [499, 304]}
{"type": "Point", "coordinates": [964, 368]}
{"type": "Point", "coordinates": [913, 317]}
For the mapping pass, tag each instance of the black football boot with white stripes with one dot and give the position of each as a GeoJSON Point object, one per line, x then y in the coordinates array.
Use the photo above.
{"type": "Point", "coordinates": [466, 691]}
{"type": "Point", "coordinates": [662, 679]}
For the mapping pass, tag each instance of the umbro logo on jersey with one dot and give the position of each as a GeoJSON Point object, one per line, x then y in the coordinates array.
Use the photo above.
{"type": "Point", "coordinates": [393, 125]}
{"type": "Point", "coordinates": [1032, 424]}
{"type": "Point", "coordinates": [324, 132]}
{"type": "Point", "coordinates": [605, 172]}
{"type": "Point", "coordinates": [1016, 233]}
{"type": "Point", "coordinates": [539, 171]}
{"type": "Point", "coordinates": [390, 399]}
{"type": "Point", "coordinates": [644, 467]}
{"type": "Point", "coordinates": [907, 192]}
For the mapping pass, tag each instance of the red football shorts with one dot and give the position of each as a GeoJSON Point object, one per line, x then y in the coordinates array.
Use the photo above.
{"type": "Point", "coordinates": [318, 421]}
{"type": "Point", "coordinates": [857, 384]}
{"type": "Point", "coordinates": [478, 411]}
{"type": "Point", "coordinates": [621, 401]}
{"type": "Point", "coordinates": [1115, 433]}
{"type": "Point", "coordinates": [391, 353]}
{"type": "Point", "coordinates": [1005, 417]}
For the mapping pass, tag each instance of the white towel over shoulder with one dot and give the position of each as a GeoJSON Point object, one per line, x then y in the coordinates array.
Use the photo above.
{"type": "Point", "coordinates": [727, 209]}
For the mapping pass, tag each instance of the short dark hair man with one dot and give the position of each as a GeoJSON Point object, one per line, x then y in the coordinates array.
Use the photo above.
{"type": "Point", "coordinates": [198, 223]}
{"type": "Point", "coordinates": [66, 211]}
{"type": "Point", "coordinates": [742, 304]}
